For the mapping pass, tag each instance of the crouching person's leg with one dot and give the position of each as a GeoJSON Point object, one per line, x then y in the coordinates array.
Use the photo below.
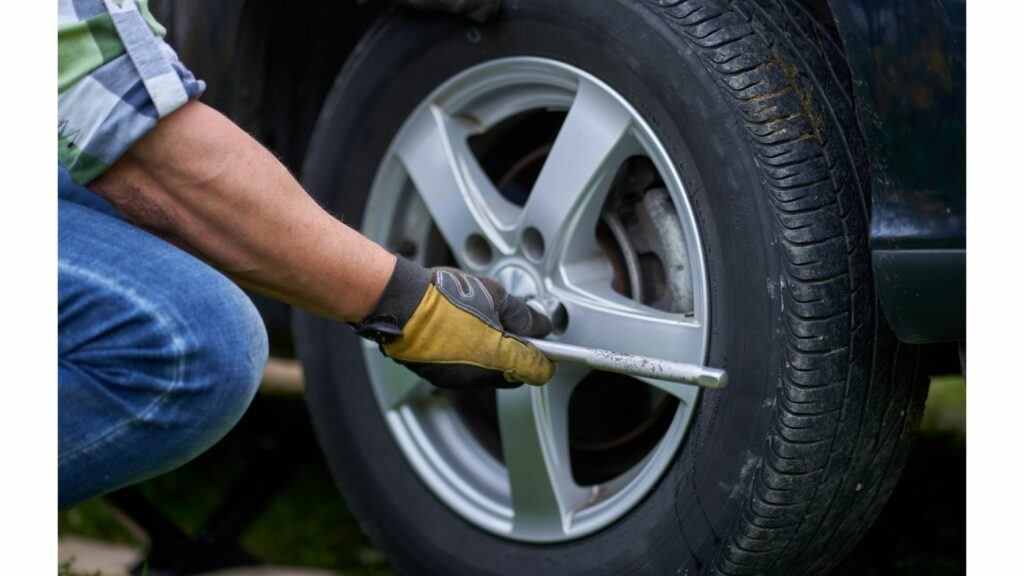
{"type": "Point", "coordinates": [159, 354]}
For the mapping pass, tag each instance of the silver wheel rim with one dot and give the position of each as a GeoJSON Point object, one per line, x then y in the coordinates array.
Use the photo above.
{"type": "Point", "coordinates": [429, 176]}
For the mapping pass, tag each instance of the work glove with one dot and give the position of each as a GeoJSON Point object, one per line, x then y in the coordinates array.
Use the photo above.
{"type": "Point", "coordinates": [457, 330]}
{"type": "Point", "coordinates": [479, 10]}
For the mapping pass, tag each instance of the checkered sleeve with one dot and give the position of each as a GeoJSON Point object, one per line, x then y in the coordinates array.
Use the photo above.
{"type": "Point", "coordinates": [116, 78]}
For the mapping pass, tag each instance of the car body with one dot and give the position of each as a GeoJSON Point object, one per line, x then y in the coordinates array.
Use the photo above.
{"type": "Point", "coordinates": [908, 64]}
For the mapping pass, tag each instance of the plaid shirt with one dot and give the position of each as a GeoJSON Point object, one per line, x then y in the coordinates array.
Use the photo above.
{"type": "Point", "coordinates": [115, 78]}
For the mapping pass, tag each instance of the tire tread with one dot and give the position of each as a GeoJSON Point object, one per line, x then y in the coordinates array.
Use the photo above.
{"type": "Point", "coordinates": [850, 397]}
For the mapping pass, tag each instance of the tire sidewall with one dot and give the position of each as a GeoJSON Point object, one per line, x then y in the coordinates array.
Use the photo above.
{"type": "Point", "coordinates": [695, 504]}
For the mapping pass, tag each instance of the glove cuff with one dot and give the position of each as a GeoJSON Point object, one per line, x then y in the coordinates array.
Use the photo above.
{"type": "Point", "coordinates": [401, 296]}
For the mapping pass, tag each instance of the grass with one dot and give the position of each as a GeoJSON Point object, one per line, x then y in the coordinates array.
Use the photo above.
{"type": "Point", "coordinates": [306, 524]}
{"type": "Point", "coordinates": [920, 531]}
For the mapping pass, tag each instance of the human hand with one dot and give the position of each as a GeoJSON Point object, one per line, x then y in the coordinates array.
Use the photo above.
{"type": "Point", "coordinates": [458, 330]}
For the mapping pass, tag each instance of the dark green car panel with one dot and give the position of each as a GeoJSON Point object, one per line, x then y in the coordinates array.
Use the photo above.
{"type": "Point", "coordinates": [907, 59]}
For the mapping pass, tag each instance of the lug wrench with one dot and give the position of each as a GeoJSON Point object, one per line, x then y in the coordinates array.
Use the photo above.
{"type": "Point", "coordinates": [631, 364]}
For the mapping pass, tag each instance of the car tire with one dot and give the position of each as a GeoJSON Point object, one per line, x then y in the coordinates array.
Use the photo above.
{"type": "Point", "coordinates": [783, 470]}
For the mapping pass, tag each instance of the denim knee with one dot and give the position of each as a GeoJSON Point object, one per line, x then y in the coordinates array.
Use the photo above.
{"type": "Point", "coordinates": [226, 361]}
{"type": "Point", "coordinates": [222, 352]}
{"type": "Point", "coordinates": [158, 354]}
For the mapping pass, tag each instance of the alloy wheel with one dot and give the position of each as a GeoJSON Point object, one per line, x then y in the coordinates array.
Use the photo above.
{"type": "Point", "coordinates": [537, 174]}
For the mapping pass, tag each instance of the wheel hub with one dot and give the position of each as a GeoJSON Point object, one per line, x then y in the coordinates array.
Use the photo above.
{"type": "Point", "coordinates": [519, 280]}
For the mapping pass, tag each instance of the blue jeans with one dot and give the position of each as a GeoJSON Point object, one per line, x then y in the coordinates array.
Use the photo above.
{"type": "Point", "coordinates": [158, 354]}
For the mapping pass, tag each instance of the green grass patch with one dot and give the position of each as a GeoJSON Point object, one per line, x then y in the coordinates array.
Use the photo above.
{"type": "Point", "coordinates": [306, 524]}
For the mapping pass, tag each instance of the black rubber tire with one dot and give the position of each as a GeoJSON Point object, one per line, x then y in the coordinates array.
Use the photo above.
{"type": "Point", "coordinates": [781, 472]}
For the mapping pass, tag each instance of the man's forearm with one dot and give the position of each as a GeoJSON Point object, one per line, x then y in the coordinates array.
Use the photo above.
{"type": "Point", "coordinates": [200, 181]}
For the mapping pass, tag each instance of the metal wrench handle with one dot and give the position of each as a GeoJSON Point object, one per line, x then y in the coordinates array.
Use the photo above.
{"type": "Point", "coordinates": [631, 364]}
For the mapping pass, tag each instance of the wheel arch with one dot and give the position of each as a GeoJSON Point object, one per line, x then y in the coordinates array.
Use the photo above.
{"type": "Point", "coordinates": [907, 61]}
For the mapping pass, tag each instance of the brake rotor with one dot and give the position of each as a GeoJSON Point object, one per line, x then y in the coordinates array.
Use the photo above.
{"type": "Point", "coordinates": [643, 239]}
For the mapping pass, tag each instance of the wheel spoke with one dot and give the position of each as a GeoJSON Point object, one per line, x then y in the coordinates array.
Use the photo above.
{"type": "Point", "coordinates": [535, 443]}
{"type": "Point", "coordinates": [396, 384]}
{"type": "Point", "coordinates": [459, 196]}
{"type": "Point", "coordinates": [613, 322]}
{"type": "Point", "coordinates": [589, 148]}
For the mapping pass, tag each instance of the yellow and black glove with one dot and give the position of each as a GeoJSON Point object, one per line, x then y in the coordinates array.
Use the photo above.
{"type": "Point", "coordinates": [457, 330]}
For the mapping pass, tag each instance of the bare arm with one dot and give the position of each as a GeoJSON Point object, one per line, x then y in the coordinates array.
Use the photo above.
{"type": "Point", "coordinates": [203, 183]}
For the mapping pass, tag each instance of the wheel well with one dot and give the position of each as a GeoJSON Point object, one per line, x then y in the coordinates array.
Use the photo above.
{"type": "Point", "coordinates": [267, 66]}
